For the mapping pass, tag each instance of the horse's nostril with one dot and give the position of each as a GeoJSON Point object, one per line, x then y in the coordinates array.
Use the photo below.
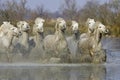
{"type": "Point", "coordinates": [20, 32]}
{"type": "Point", "coordinates": [106, 31]}
{"type": "Point", "coordinates": [27, 26]}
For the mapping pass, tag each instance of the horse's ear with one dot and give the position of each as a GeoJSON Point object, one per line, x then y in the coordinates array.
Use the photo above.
{"type": "Point", "coordinates": [59, 19]}
{"type": "Point", "coordinates": [5, 22]}
{"type": "Point", "coordinates": [93, 20]}
{"type": "Point", "coordinates": [43, 20]}
{"type": "Point", "coordinates": [9, 22]}
{"type": "Point", "coordinates": [73, 21]}
{"type": "Point", "coordinates": [88, 19]}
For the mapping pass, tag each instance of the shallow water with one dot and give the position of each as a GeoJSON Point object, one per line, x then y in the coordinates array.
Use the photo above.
{"type": "Point", "coordinates": [112, 47]}
{"type": "Point", "coordinates": [78, 72]}
{"type": "Point", "coordinates": [29, 71]}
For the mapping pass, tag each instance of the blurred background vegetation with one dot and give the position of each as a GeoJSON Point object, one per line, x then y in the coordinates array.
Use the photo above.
{"type": "Point", "coordinates": [108, 13]}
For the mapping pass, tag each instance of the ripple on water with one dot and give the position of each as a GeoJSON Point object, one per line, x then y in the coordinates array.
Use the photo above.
{"type": "Point", "coordinates": [62, 72]}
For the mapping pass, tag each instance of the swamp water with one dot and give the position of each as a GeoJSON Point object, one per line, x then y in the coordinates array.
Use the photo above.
{"type": "Point", "coordinates": [107, 71]}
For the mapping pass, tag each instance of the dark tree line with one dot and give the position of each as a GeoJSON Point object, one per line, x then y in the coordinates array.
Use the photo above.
{"type": "Point", "coordinates": [108, 13]}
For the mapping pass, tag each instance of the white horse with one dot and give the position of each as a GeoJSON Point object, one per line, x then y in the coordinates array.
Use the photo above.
{"type": "Point", "coordinates": [23, 43]}
{"type": "Point", "coordinates": [39, 20]}
{"type": "Point", "coordinates": [56, 45]}
{"type": "Point", "coordinates": [37, 39]}
{"type": "Point", "coordinates": [73, 41]}
{"type": "Point", "coordinates": [38, 31]}
{"type": "Point", "coordinates": [90, 47]}
{"type": "Point", "coordinates": [7, 38]}
{"type": "Point", "coordinates": [5, 27]}
{"type": "Point", "coordinates": [90, 26]}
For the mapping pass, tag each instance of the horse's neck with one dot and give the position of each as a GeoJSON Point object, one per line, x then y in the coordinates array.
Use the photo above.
{"type": "Point", "coordinates": [38, 38]}
{"type": "Point", "coordinates": [96, 41]}
{"type": "Point", "coordinates": [25, 38]}
{"type": "Point", "coordinates": [97, 36]}
{"type": "Point", "coordinates": [76, 36]}
{"type": "Point", "coordinates": [89, 33]}
{"type": "Point", "coordinates": [8, 40]}
{"type": "Point", "coordinates": [60, 34]}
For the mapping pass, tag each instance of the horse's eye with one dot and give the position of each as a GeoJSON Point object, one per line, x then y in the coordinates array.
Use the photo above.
{"type": "Point", "coordinates": [22, 25]}
{"type": "Point", "coordinates": [99, 26]}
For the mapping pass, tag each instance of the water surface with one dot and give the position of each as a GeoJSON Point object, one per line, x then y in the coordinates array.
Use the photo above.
{"type": "Point", "coordinates": [78, 72]}
{"type": "Point", "coordinates": [29, 71]}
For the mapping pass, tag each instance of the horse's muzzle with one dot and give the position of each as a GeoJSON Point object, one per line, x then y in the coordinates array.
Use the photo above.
{"type": "Point", "coordinates": [106, 31]}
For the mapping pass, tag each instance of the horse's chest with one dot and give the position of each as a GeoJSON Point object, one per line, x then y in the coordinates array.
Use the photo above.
{"type": "Point", "coordinates": [5, 42]}
{"type": "Point", "coordinates": [96, 46]}
{"type": "Point", "coordinates": [61, 45]}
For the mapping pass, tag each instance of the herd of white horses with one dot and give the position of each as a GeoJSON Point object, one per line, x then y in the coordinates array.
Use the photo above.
{"type": "Point", "coordinates": [53, 48]}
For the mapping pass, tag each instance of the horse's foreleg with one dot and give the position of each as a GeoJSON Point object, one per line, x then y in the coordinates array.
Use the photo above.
{"type": "Point", "coordinates": [91, 53]}
{"type": "Point", "coordinates": [9, 57]}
